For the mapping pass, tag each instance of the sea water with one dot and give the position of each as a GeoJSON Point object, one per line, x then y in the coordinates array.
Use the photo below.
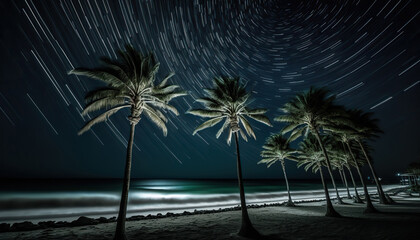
{"type": "Point", "coordinates": [41, 200]}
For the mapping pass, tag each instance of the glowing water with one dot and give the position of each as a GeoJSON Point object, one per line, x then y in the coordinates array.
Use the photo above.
{"type": "Point", "coordinates": [67, 200]}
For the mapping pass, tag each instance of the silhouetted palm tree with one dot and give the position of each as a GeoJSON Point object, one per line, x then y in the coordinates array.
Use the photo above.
{"type": "Point", "coordinates": [366, 127]}
{"type": "Point", "coordinates": [277, 148]}
{"type": "Point", "coordinates": [228, 101]}
{"type": "Point", "coordinates": [311, 111]}
{"type": "Point", "coordinates": [130, 84]}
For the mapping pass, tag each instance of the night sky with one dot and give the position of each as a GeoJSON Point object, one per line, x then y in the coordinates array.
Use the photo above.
{"type": "Point", "coordinates": [366, 52]}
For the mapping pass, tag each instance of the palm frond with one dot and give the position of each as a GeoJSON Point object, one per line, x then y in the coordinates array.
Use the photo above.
{"type": "Point", "coordinates": [284, 118]}
{"type": "Point", "coordinates": [103, 117]}
{"type": "Point", "coordinates": [256, 111]}
{"type": "Point", "coordinates": [106, 102]}
{"type": "Point", "coordinates": [243, 135]}
{"type": "Point", "coordinates": [225, 125]}
{"type": "Point", "coordinates": [229, 139]}
{"type": "Point", "coordinates": [100, 74]}
{"type": "Point", "coordinates": [104, 92]}
{"type": "Point", "coordinates": [205, 113]}
{"type": "Point", "coordinates": [261, 118]}
{"type": "Point", "coordinates": [165, 80]}
{"type": "Point", "coordinates": [169, 96]}
{"type": "Point", "coordinates": [156, 119]}
{"type": "Point", "coordinates": [247, 127]}
{"type": "Point", "coordinates": [207, 124]}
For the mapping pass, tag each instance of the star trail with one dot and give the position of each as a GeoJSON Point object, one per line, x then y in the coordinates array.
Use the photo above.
{"type": "Point", "coordinates": [366, 52]}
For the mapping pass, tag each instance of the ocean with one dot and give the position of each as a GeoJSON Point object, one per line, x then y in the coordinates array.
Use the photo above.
{"type": "Point", "coordinates": [41, 200]}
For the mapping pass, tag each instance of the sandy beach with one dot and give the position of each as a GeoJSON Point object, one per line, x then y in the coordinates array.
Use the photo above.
{"type": "Point", "coordinates": [305, 221]}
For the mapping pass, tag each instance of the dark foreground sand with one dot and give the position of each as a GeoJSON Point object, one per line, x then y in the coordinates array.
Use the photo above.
{"type": "Point", "coordinates": [305, 221]}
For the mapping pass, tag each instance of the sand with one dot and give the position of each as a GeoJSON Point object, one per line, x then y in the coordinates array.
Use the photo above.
{"type": "Point", "coordinates": [305, 221]}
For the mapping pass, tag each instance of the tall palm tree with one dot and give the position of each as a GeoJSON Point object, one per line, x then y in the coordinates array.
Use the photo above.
{"type": "Point", "coordinates": [366, 127]}
{"type": "Point", "coordinates": [311, 157]}
{"type": "Point", "coordinates": [347, 159]}
{"type": "Point", "coordinates": [345, 131]}
{"type": "Point", "coordinates": [341, 132]}
{"type": "Point", "coordinates": [228, 101]}
{"type": "Point", "coordinates": [338, 164]}
{"type": "Point", "coordinates": [311, 111]}
{"type": "Point", "coordinates": [329, 145]}
{"type": "Point", "coordinates": [277, 148]}
{"type": "Point", "coordinates": [357, 162]}
{"type": "Point", "coordinates": [130, 83]}
{"type": "Point", "coordinates": [344, 179]}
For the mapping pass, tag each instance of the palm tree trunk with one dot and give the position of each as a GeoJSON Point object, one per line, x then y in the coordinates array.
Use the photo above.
{"type": "Point", "coordinates": [382, 198]}
{"type": "Point", "coordinates": [120, 230]}
{"type": "Point", "coordinates": [336, 189]}
{"type": "Point", "coordinates": [356, 194]}
{"type": "Point", "coordinates": [328, 164]}
{"type": "Point", "coordinates": [369, 205]}
{"type": "Point", "coordinates": [330, 209]}
{"type": "Point", "coordinates": [343, 178]}
{"type": "Point", "coordinates": [247, 230]}
{"type": "Point", "coordinates": [290, 202]}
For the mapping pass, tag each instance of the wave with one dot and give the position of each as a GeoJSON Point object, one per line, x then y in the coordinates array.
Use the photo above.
{"type": "Point", "coordinates": [65, 200]}
{"type": "Point", "coordinates": [143, 200]}
{"type": "Point", "coordinates": [68, 206]}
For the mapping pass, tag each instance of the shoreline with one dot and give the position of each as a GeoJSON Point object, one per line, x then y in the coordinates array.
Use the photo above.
{"type": "Point", "coordinates": [87, 221]}
{"type": "Point", "coordinates": [306, 221]}
{"type": "Point", "coordinates": [65, 207]}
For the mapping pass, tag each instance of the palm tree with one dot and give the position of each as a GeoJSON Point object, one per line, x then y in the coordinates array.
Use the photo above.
{"type": "Point", "coordinates": [277, 148]}
{"type": "Point", "coordinates": [329, 145]}
{"type": "Point", "coordinates": [366, 127]}
{"type": "Point", "coordinates": [228, 101]}
{"type": "Point", "coordinates": [369, 206]}
{"type": "Point", "coordinates": [311, 111]}
{"type": "Point", "coordinates": [130, 84]}
{"type": "Point", "coordinates": [344, 179]}
{"type": "Point", "coordinates": [346, 158]}
{"type": "Point", "coordinates": [338, 164]}
{"type": "Point", "coordinates": [311, 157]}
{"type": "Point", "coordinates": [341, 133]}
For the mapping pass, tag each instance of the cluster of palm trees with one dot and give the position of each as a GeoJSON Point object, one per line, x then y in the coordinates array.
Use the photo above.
{"type": "Point", "coordinates": [311, 116]}
{"type": "Point", "coordinates": [332, 137]}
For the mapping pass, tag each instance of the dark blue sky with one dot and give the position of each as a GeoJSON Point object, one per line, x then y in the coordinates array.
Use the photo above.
{"type": "Point", "coordinates": [367, 52]}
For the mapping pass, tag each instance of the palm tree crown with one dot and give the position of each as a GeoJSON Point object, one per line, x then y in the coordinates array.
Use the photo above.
{"type": "Point", "coordinates": [364, 125]}
{"type": "Point", "coordinates": [276, 148]}
{"type": "Point", "coordinates": [309, 111]}
{"type": "Point", "coordinates": [310, 154]}
{"type": "Point", "coordinates": [228, 101]}
{"type": "Point", "coordinates": [130, 84]}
